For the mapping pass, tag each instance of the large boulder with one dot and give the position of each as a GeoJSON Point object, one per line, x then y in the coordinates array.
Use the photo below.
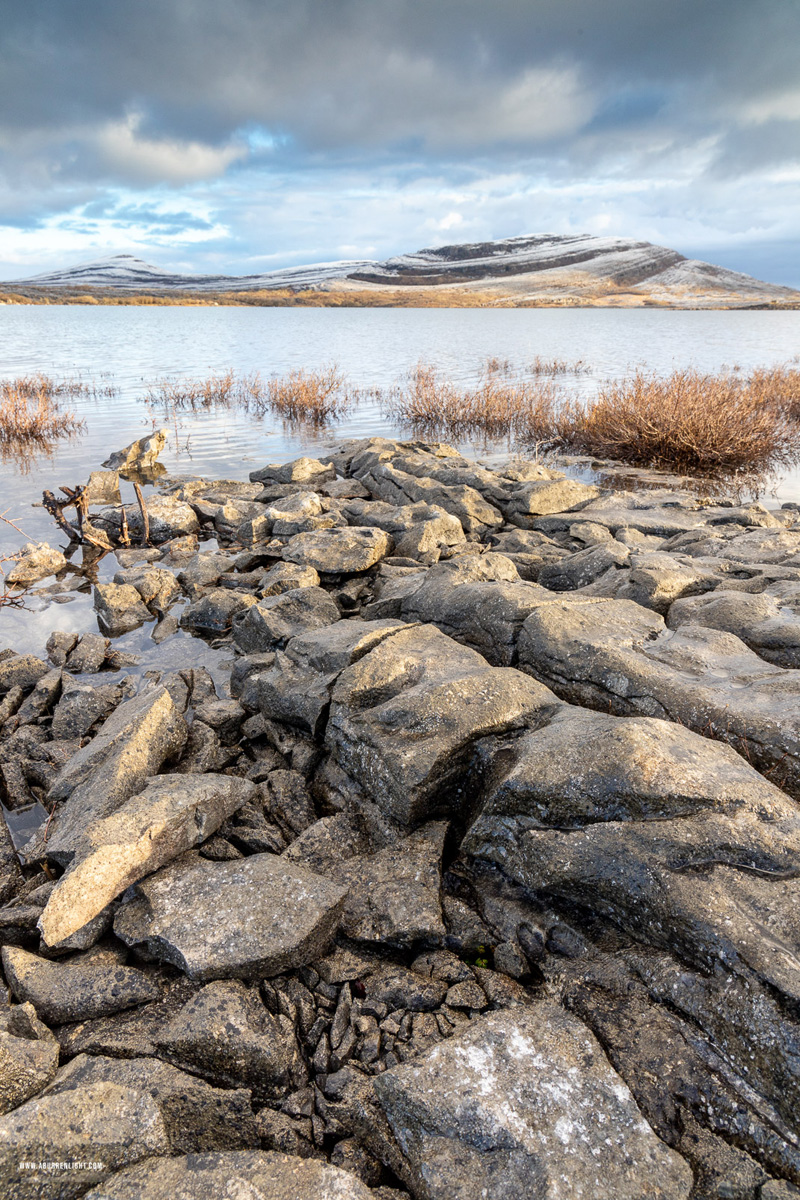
{"type": "Point", "coordinates": [619, 657]}
{"type": "Point", "coordinates": [523, 1103]}
{"type": "Point", "coordinates": [405, 717]}
{"type": "Point", "coordinates": [770, 629]}
{"type": "Point", "coordinates": [247, 918]}
{"type": "Point", "coordinates": [339, 551]}
{"type": "Point", "coordinates": [172, 814]}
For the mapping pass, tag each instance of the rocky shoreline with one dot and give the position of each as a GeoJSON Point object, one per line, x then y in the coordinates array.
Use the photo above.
{"type": "Point", "coordinates": [479, 877]}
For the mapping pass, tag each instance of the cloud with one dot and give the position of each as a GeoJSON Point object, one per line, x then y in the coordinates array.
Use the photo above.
{"type": "Point", "coordinates": [127, 155]}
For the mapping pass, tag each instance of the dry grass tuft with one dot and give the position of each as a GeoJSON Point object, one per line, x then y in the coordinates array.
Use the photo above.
{"type": "Point", "coordinates": [30, 415]}
{"type": "Point", "coordinates": [559, 366]}
{"type": "Point", "coordinates": [313, 396]}
{"type": "Point", "coordinates": [226, 390]}
{"type": "Point", "coordinates": [779, 386]}
{"type": "Point", "coordinates": [497, 407]}
{"type": "Point", "coordinates": [685, 422]}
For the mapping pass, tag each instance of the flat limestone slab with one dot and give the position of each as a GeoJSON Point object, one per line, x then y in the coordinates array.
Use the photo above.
{"type": "Point", "coordinates": [246, 919]}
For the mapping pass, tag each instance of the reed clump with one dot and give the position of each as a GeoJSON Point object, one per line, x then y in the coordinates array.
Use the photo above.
{"type": "Point", "coordinates": [30, 415]}
{"type": "Point", "coordinates": [316, 397]}
{"type": "Point", "coordinates": [224, 390]}
{"type": "Point", "coordinates": [779, 386]}
{"type": "Point", "coordinates": [497, 407]}
{"type": "Point", "coordinates": [687, 421]}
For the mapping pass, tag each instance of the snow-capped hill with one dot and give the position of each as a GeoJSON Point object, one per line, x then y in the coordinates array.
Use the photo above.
{"type": "Point", "coordinates": [543, 268]}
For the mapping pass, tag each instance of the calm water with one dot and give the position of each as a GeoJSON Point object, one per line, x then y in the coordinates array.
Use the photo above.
{"type": "Point", "coordinates": [132, 347]}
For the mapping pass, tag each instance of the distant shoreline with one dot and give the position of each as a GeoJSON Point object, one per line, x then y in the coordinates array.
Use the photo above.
{"type": "Point", "coordinates": [422, 297]}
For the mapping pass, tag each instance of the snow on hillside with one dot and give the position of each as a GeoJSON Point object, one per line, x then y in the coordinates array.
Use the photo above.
{"type": "Point", "coordinates": [575, 263]}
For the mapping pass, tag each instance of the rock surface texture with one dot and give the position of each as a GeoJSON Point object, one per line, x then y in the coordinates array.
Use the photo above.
{"type": "Point", "coordinates": [452, 851]}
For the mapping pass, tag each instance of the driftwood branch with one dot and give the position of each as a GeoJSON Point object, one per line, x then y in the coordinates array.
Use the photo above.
{"type": "Point", "coordinates": [76, 533]}
{"type": "Point", "coordinates": [145, 515]}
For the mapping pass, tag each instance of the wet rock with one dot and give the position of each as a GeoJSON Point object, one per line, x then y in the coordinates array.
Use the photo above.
{"type": "Point", "coordinates": [517, 1104]}
{"type": "Point", "coordinates": [101, 1124]}
{"type": "Point", "coordinates": [41, 700]}
{"type": "Point", "coordinates": [225, 1034]}
{"type": "Point", "coordinates": [21, 670]}
{"type": "Point", "coordinates": [172, 814]}
{"type": "Point", "coordinates": [196, 1117]}
{"type": "Point", "coordinates": [612, 654]}
{"type": "Point", "coordinates": [266, 1175]}
{"type": "Point", "coordinates": [405, 717]}
{"type": "Point", "coordinates": [102, 487]}
{"type": "Point", "coordinates": [142, 453]}
{"type": "Point", "coordinates": [132, 745]}
{"type": "Point", "coordinates": [216, 611]}
{"type": "Point", "coordinates": [119, 608]}
{"type": "Point", "coordinates": [249, 919]}
{"type": "Point", "coordinates": [393, 895]}
{"type": "Point", "coordinates": [339, 550]}
{"type": "Point", "coordinates": [37, 561]}
{"type": "Point", "coordinates": [300, 470]}
{"type": "Point", "coordinates": [201, 571]}
{"type": "Point", "coordinates": [157, 587]}
{"type": "Point", "coordinates": [93, 984]}
{"type": "Point", "coordinates": [28, 1056]}
{"type": "Point", "coordinates": [59, 645]}
{"type": "Point", "coordinates": [274, 620]}
{"type": "Point", "coordinates": [83, 705]}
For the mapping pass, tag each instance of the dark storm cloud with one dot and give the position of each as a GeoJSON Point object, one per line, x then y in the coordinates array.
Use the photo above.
{"type": "Point", "coordinates": [443, 78]}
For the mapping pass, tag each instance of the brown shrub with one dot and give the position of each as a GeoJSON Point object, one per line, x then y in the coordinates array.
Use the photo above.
{"type": "Point", "coordinates": [685, 422]}
{"type": "Point", "coordinates": [779, 386]}
{"type": "Point", "coordinates": [313, 396]}
{"type": "Point", "coordinates": [225, 390]}
{"type": "Point", "coordinates": [30, 414]}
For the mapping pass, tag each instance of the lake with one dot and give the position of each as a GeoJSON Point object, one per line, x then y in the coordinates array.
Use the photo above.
{"type": "Point", "coordinates": [131, 347]}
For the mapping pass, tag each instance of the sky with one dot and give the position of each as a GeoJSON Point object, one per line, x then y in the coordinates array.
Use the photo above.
{"type": "Point", "coordinates": [243, 136]}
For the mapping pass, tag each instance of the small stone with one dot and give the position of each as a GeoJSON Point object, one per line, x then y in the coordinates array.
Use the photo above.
{"type": "Point", "coordinates": [119, 608]}
{"type": "Point", "coordinates": [37, 561]}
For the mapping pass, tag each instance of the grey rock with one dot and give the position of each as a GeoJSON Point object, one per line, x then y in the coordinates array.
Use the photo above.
{"type": "Point", "coordinates": [225, 1034]}
{"type": "Point", "coordinates": [405, 717]}
{"type": "Point", "coordinates": [201, 571]}
{"type": "Point", "coordinates": [89, 655]}
{"type": "Point", "coordinates": [265, 1175]}
{"type": "Point", "coordinates": [339, 551]}
{"type": "Point", "coordinates": [196, 1116]}
{"type": "Point", "coordinates": [172, 814]}
{"type": "Point", "coordinates": [59, 645]}
{"type": "Point", "coordinates": [119, 608]}
{"type": "Point", "coordinates": [249, 918]}
{"type": "Point", "coordinates": [770, 629]}
{"type": "Point", "coordinates": [284, 577]}
{"type": "Point", "coordinates": [583, 568]}
{"type": "Point", "coordinates": [393, 895]}
{"type": "Point", "coordinates": [101, 1124]}
{"type": "Point", "coordinates": [524, 1103]}
{"type": "Point", "coordinates": [142, 453]}
{"type": "Point", "coordinates": [617, 656]}
{"type": "Point", "coordinates": [28, 1056]}
{"type": "Point", "coordinates": [83, 705]}
{"type": "Point", "coordinates": [300, 470]}
{"type": "Point", "coordinates": [157, 587]}
{"type": "Point", "coordinates": [274, 620]}
{"type": "Point", "coordinates": [132, 745]}
{"type": "Point", "coordinates": [22, 671]}
{"type": "Point", "coordinates": [216, 611]}
{"type": "Point", "coordinates": [545, 496]}
{"type": "Point", "coordinates": [102, 487]}
{"type": "Point", "coordinates": [93, 984]}
{"type": "Point", "coordinates": [37, 561]}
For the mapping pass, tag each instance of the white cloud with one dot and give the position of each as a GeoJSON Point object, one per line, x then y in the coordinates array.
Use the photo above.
{"type": "Point", "coordinates": [124, 151]}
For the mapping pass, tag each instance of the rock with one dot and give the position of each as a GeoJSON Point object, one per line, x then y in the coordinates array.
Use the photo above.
{"type": "Point", "coordinates": [59, 645]}
{"type": "Point", "coordinates": [405, 717]}
{"type": "Point", "coordinates": [615, 655]}
{"type": "Point", "coordinates": [523, 1103]}
{"type": "Point", "coordinates": [274, 620]}
{"type": "Point", "coordinates": [196, 1117]}
{"type": "Point", "coordinates": [101, 1125]}
{"type": "Point", "coordinates": [301, 470]}
{"type": "Point", "coordinates": [102, 487]}
{"type": "Point", "coordinates": [769, 629]}
{"type": "Point", "coordinates": [157, 587]}
{"type": "Point", "coordinates": [393, 895]}
{"type": "Point", "coordinates": [93, 984]}
{"type": "Point", "coordinates": [216, 611]}
{"type": "Point", "coordinates": [21, 670]}
{"type": "Point", "coordinates": [89, 655]}
{"type": "Point", "coordinates": [250, 918]}
{"type": "Point", "coordinates": [37, 561]}
{"type": "Point", "coordinates": [172, 814]}
{"type": "Point", "coordinates": [546, 496]}
{"type": "Point", "coordinates": [119, 608]}
{"type": "Point", "coordinates": [132, 744]}
{"type": "Point", "coordinates": [326, 842]}
{"type": "Point", "coordinates": [260, 1175]}
{"type": "Point", "coordinates": [583, 568]}
{"type": "Point", "coordinates": [226, 1034]}
{"type": "Point", "coordinates": [284, 577]}
{"type": "Point", "coordinates": [142, 453]}
{"type": "Point", "coordinates": [82, 706]}
{"type": "Point", "coordinates": [131, 1033]}
{"type": "Point", "coordinates": [201, 571]}
{"type": "Point", "coordinates": [28, 1056]}
{"type": "Point", "coordinates": [296, 688]}
{"type": "Point", "coordinates": [339, 550]}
